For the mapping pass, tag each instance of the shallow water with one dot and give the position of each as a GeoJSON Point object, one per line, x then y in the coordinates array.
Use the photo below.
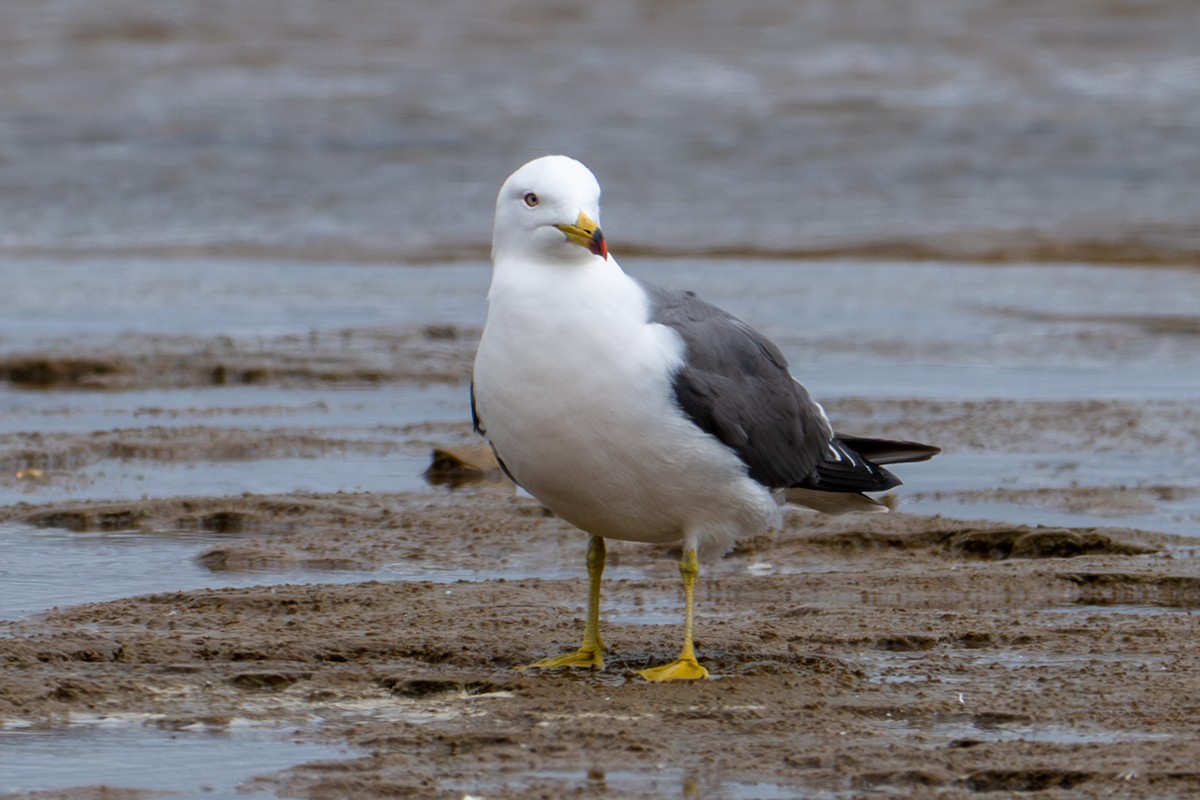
{"type": "Point", "coordinates": [194, 762]}
{"type": "Point", "coordinates": [42, 569]}
{"type": "Point", "coordinates": [959, 475]}
{"type": "Point", "coordinates": [375, 415]}
{"type": "Point", "coordinates": [52, 299]}
{"type": "Point", "coordinates": [363, 415]}
{"type": "Point", "coordinates": [871, 330]}
{"type": "Point", "coordinates": [949, 730]}
{"type": "Point", "coordinates": [850, 328]}
{"type": "Point", "coordinates": [367, 127]}
{"type": "Point", "coordinates": [665, 782]}
{"type": "Point", "coordinates": [342, 410]}
{"type": "Point", "coordinates": [962, 331]}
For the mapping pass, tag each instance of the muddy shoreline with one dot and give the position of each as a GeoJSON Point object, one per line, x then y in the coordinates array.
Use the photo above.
{"type": "Point", "coordinates": [899, 656]}
{"type": "Point", "coordinates": [903, 656]}
{"type": "Point", "coordinates": [1022, 623]}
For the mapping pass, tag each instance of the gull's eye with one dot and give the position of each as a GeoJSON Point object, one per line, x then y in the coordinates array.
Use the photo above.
{"type": "Point", "coordinates": [531, 200]}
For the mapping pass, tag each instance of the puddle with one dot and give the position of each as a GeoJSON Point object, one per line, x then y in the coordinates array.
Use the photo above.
{"type": "Point", "coordinates": [1084, 607]}
{"type": "Point", "coordinates": [239, 407]}
{"type": "Point", "coordinates": [125, 480]}
{"type": "Point", "coordinates": [904, 667]}
{"type": "Point", "coordinates": [952, 728]}
{"type": "Point", "coordinates": [1166, 519]}
{"type": "Point", "coordinates": [356, 415]}
{"type": "Point", "coordinates": [1012, 659]}
{"type": "Point", "coordinates": [665, 782]}
{"type": "Point", "coordinates": [42, 568]}
{"type": "Point", "coordinates": [985, 382]}
{"type": "Point", "coordinates": [940, 486]}
{"type": "Point", "coordinates": [1050, 734]}
{"type": "Point", "coordinates": [123, 754]}
{"type": "Point", "coordinates": [619, 609]}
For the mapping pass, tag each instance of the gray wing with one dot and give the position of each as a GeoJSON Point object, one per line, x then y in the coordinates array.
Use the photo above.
{"type": "Point", "coordinates": [735, 385]}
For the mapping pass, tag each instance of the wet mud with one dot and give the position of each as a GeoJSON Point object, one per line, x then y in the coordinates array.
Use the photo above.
{"type": "Point", "coordinates": [901, 656]}
{"type": "Point", "coordinates": [952, 648]}
{"type": "Point", "coordinates": [905, 655]}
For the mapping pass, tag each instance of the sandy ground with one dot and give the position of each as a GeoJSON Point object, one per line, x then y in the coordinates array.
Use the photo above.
{"type": "Point", "coordinates": [892, 655]}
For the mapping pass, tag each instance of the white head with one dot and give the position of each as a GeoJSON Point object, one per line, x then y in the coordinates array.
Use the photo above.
{"type": "Point", "coordinates": [549, 211]}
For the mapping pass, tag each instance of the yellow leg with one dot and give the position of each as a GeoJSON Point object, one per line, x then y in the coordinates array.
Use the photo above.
{"type": "Point", "coordinates": [686, 667]}
{"type": "Point", "coordinates": [591, 652]}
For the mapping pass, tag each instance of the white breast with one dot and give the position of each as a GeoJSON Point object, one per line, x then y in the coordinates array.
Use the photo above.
{"type": "Point", "coordinates": [573, 387]}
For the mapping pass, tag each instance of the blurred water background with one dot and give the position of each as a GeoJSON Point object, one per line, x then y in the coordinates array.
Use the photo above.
{"type": "Point", "coordinates": [379, 130]}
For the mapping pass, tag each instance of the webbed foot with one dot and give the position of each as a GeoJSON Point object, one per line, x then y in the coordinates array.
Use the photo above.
{"type": "Point", "coordinates": [682, 669]}
{"type": "Point", "coordinates": [583, 658]}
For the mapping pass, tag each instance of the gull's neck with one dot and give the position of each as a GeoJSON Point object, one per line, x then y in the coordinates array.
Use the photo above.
{"type": "Point", "coordinates": [514, 279]}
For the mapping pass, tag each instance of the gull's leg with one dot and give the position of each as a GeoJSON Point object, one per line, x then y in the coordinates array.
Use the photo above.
{"type": "Point", "coordinates": [686, 667]}
{"type": "Point", "coordinates": [591, 652]}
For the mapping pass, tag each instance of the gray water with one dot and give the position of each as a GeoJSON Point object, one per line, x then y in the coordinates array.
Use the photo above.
{"type": "Point", "coordinates": [879, 328]}
{"type": "Point", "coordinates": [368, 415]}
{"type": "Point", "coordinates": [133, 754]}
{"type": "Point", "coordinates": [344, 410]}
{"type": "Point", "coordinates": [979, 472]}
{"type": "Point", "coordinates": [850, 329]}
{"type": "Point", "coordinates": [378, 129]}
{"type": "Point", "coordinates": [42, 567]}
{"type": "Point", "coordinates": [45, 300]}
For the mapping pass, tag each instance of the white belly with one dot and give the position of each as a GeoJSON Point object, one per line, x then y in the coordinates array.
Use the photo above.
{"type": "Point", "coordinates": [579, 405]}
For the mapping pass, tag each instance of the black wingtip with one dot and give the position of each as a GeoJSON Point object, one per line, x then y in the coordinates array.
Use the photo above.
{"type": "Point", "coordinates": [889, 451]}
{"type": "Point", "coordinates": [847, 476]}
{"type": "Point", "coordinates": [854, 464]}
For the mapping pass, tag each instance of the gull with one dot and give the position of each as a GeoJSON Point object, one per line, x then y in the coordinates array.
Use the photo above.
{"type": "Point", "coordinates": [644, 414]}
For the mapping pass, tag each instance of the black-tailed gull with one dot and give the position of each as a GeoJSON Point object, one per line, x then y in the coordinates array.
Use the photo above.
{"type": "Point", "coordinates": [643, 414]}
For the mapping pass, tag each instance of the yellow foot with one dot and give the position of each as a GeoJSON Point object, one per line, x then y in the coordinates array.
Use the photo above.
{"type": "Point", "coordinates": [685, 669]}
{"type": "Point", "coordinates": [581, 659]}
